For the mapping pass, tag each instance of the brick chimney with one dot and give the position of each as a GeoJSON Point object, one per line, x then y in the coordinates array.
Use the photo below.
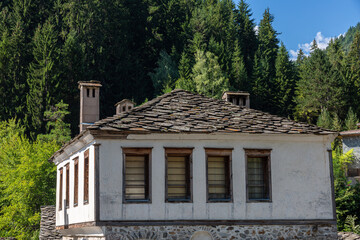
{"type": "Point", "coordinates": [89, 103]}
{"type": "Point", "coordinates": [238, 98]}
{"type": "Point", "coordinates": [124, 105]}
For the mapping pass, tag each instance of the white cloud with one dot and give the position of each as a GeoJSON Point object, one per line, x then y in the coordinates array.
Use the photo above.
{"type": "Point", "coordinates": [321, 41]}
{"type": "Point", "coordinates": [256, 28]}
{"type": "Point", "coordinates": [293, 54]}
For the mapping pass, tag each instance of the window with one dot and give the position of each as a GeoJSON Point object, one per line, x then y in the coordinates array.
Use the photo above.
{"type": "Point", "coordinates": [136, 174]}
{"type": "Point", "coordinates": [124, 108]}
{"type": "Point", "coordinates": [86, 177]}
{"type": "Point", "coordinates": [67, 185]}
{"type": "Point", "coordinates": [218, 174]}
{"type": "Point", "coordinates": [258, 174]}
{"type": "Point", "coordinates": [88, 92]}
{"type": "Point", "coordinates": [76, 181]}
{"type": "Point", "coordinates": [93, 92]}
{"type": "Point", "coordinates": [353, 172]}
{"type": "Point", "coordinates": [61, 190]}
{"type": "Point", "coordinates": [129, 108]}
{"type": "Point", "coordinates": [178, 174]}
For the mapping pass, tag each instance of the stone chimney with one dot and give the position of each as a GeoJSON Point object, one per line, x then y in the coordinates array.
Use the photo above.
{"type": "Point", "coordinates": [238, 98]}
{"type": "Point", "coordinates": [124, 105]}
{"type": "Point", "coordinates": [89, 103]}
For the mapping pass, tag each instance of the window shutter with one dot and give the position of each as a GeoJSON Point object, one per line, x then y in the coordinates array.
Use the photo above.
{"type": "Point", "coordinates": [218, 178]}
{"type": "Point", "coordinates": [76, 181]}
{"type": "Point", "coordinates": [178, 178]}
{"type": "Point", "coordinates": [86, 176]}
{"type": "Point", "coordinates": [136, 177]}
{"type": "Point", "coordinates": [67, 185]}
{"type": "Point", "coordinates": [61, 190]}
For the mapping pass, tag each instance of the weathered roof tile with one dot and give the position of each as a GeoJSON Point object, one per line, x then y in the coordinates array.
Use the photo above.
{"type": "Point", "coordinates": [182, 111]}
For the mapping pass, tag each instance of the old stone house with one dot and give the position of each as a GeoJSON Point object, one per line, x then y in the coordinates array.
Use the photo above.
{"type": "Point", "coordinates": [185, 166]}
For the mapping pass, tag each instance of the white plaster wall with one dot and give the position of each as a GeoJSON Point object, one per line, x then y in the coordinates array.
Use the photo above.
{"type": "Point", "coordinates": [300, 177]}
{"type": "Point", "coordinates": [83, 212]}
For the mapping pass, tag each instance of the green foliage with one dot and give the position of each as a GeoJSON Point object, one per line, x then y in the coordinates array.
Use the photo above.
{"type": "Point", "coordinates": [264, 65]}
{"type": "Point", "coordinates": [239, 73]}
{"type": "Point", "coordinates": [27, 181]}
{"type": "Point", "coordinates": [324, 119]}
{"type": "Point", "coordinates": [351, 120]}
{"type": "Point", "coordinates": [317, 88]}
{"type": "Point", "coordinates": [208, 77]}
{"type": "Point", "coordinates": [58, 130]}
{"type": "Point", "coordinates": [285, 80]}
{"type": "Point", "coordinates": [165, 74]}
{"type": "Point", "coordinates": [42, 79]}
{"type": "Point", "coordinates": [350, 225]}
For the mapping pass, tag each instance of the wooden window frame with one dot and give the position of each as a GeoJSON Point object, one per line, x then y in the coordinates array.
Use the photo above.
{"type": "Point", "coordinates": [138, 152]}
{"type": "Point", "coordinates": [180, 152]}
{"type": "Point", "coordinates": [86, 176]}
{"type": "Point", "coordinates": [220, 152]}
{"type": "Point", "coordinates": [259, 153]}
{"type": "Point", "coordinates": [67, 185]}
{"type": "Point", "coordinates": [61, 177]}
{"type": "Point", "coordinates": [76, 181]}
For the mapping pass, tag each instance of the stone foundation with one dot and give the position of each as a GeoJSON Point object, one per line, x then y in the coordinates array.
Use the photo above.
{"type": "Point", "coordinates": [47, 224]}
{"type": "Point", "coordinates": [280, 232]}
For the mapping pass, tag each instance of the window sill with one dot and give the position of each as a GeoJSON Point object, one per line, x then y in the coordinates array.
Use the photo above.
{"type": "Point", "coordinates": [219, 200]}
{"type": "Point", "coordinates": [258, 201]}
{"type": "Point", "coordinates": [137, 201]}
{"type": "Point", "coordinates": [178, 201]}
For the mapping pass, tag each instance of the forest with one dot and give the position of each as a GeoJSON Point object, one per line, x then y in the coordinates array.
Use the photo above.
{"type": "Point", "coordinates": [140, 49]}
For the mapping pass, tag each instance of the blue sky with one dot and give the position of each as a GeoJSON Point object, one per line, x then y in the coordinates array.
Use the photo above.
{"type": "Point", "coordinates": [300, 21]}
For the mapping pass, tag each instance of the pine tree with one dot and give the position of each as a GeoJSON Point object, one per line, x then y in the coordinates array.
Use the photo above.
{"type": "Point", "coordinates": [351, 120]}
{"type": "Point", "coordinates": [352, 72]}
{"type": "Point", "coordinates": [207, 75]}
{"type": "Point", "coordinates": [57, 129]}
{"type": "Point", "coordinates": [284, 83]}
{"type": "Point", "coordinates": [300, 57]}
{"type": "Point", "coordinates": [336, 123]}
{"type": "Point", "coordinates": [43, 77]}
{"type": "Point", "coordinates": [264, 64]}
{"type": "Point", "coordinates": [313, 46]}
{"type": "Point", "coordinates": [324, 119]}
{"type": "Point", "coordinates": [165, 74]}
{"type": "Point", "coordinates": [239, 74]}
{"type": "Point", "coordinates": [14, 55]}
{"type": "Point", "coordinates": [245, 28]}
{"type": "Point", "coordinates": [316, 88]}
{"type": "Point", "coordinates": [185, 67]}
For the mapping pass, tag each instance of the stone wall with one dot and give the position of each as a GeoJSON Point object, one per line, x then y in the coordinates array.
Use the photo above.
{"type": "Point", "coordinates": [250, 232]}
{"type": "Point", "coordinates": [47, 224]}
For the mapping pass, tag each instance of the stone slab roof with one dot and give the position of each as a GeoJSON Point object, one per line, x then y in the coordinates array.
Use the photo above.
{"type": "Point", "coordinates": [181, 111]}
{"type": "Point", "coordinates": [350, 133]}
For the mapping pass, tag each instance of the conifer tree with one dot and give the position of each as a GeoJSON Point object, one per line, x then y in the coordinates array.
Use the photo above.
{"type": "Point", "coordinates": [324, 119]}
{"type": "Point", "coordinates": [42, 77]}
{"type": "Point", "coordinates": [185, 80]}
{"type": "Point", "coordinates": [285, 81]}
{"type": "Point", "coordinates": [316, 89]}
{"type": "Point", "coordinates": [207, 75]}
{"type": "Point", "coordinates": [336, 123]}
{"type": "Point", "coordinates": [245, 29]}
{"type": "Point", "coordinates": [165, 74]}
{"type": "Point", "coordinates": [352, 63]}
{"type": "Point", "coordinates": [239, 74]}
{"type": "Point", "coordinates": [351, 120]}
{"type": "Point", "coordinates": [264, 64]}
